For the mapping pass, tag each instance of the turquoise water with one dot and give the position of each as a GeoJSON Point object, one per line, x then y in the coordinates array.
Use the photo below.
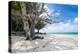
{"type": "Point", "coordinates": [74, 35]}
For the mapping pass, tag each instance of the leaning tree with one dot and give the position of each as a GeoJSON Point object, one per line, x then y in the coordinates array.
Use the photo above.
{"type": "Point", "coordinates": [30, 13]}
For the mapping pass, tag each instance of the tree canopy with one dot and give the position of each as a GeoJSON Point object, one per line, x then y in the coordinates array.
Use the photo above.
{"type": "Point", "coordinates": [39, 25]}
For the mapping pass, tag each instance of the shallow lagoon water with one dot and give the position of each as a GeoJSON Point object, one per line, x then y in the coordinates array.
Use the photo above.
{"type": "Point", "coordinates": [75, 36]}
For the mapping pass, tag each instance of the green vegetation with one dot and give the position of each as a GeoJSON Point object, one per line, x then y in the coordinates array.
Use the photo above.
{"type": "Point", "coordinates": [15, 5]}
{"type": "Point", "coordinates": [16, 23]}
{"type": "Point", "coordinates": [22, 22]}
{"type": "Point", "coordinates": [39, 25]}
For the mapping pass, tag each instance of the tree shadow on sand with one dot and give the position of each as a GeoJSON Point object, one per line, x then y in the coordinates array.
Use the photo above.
{"type": "Point", "coordinates": [36, 37]}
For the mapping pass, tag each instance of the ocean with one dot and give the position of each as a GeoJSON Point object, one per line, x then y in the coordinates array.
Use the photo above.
{"type": "Point", "coordinates": [71, 35]}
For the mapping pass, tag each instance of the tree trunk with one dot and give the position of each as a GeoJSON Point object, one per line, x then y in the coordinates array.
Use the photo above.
{"type": "Point", "coordinates": [25, 21]}
{"type": "Point", "coordinates": [32, 30]}
{"type": "Point", "coordinates": [38, 30]}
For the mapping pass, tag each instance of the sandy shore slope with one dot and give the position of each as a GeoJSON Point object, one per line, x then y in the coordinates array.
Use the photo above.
{"type": "Point", "coordinates": [49, 43]}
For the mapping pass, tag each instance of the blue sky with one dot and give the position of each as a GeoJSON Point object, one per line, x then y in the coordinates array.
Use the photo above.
{"type": "Point", "coordinates": [67, 12]}
{"type": "Point", "coordinates": [66, 16]}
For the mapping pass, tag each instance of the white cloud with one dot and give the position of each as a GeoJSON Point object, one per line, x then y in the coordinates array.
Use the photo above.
{"type": "Point", "coordinates": [46, 8]}
{"type": "Point", "coordinates": [61, 27]}
{"type": "Point", "coordinates": [58, 27]}
{"type": "Point", "coordinates": [48, 11]}
{"type": "Point", "coordinates": [75, 20]}
{"type": "Point", "coordinates": [57, 14]}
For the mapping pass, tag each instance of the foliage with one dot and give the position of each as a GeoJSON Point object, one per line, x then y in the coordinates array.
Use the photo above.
{"type": "Point", "coordinates": [16, 23]}
{"type": "Point", "coordinates": [39, 25]}
{"type": "Point", "coordinates": [15, 5]}
{"type": "Point", "coordinates": [31, 8]}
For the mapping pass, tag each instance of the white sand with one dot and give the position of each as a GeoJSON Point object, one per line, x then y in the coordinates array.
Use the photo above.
{"type": "Point", "coordinates": [49, 43]}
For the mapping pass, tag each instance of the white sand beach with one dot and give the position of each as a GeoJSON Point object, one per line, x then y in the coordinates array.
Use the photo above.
{"type": "Point", "coordinates": [49, 43]}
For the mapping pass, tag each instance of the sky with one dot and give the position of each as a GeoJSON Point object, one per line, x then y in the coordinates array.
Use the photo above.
{"type": "Point", "coordinates": [64, 18]}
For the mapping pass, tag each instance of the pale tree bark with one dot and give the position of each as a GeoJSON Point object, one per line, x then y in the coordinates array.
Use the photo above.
{"type": "Point", "coordinates": [25, 20]}
{"type": "Point", "coordinates": [29, 28]}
